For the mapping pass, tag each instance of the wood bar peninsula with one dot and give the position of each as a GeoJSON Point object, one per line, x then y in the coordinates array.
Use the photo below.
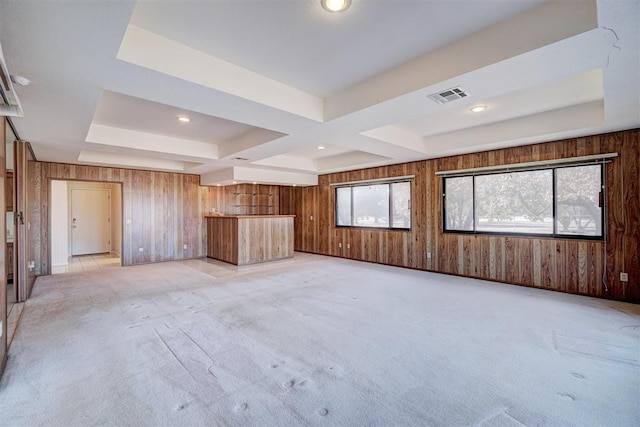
{"type": "Point", "coordinates": [249, 239]}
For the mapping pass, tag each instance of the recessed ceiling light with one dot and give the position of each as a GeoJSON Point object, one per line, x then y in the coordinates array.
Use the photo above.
{"type": "Point", "coordinates": [478, 108]}
{"type": "Point", "coordinates": [321, 147]}
{"type": "Point", "coordinates": [218, 185]}
{"type": "Point", "coordinates": [335, 5]}
{"type": "Point", "coordinates": [183, 119]}
{"type": "Point", "coordinates": [254, 183]}
{"type": "Point", "coordinates": [235, 182]}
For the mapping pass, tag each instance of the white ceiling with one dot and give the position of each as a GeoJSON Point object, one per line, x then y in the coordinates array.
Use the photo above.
{"type": "Point", "coordinates": [265, 82]}
{"type": "Point", "coordinates": [127, 112]}
{"type": "Point", "coordinates": [299, 44]}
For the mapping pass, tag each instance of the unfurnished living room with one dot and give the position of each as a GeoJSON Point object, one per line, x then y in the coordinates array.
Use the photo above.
{"type": "Point", "coordinates": [320, 212]}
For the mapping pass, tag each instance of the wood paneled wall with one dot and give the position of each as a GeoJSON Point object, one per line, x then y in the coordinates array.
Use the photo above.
{"type": "Point", "coordinates": [162, 211]}
{"type": "Point", "coordinates": [574, 266]}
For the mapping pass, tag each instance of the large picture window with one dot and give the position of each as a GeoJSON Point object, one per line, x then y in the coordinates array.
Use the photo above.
{"type": "Point", "coordinates": [384, 205]}
{"type": "Point", "coordinates": [562, 202]}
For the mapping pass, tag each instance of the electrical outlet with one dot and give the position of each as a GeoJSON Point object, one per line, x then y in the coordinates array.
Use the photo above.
{"type": "Point", "coordinates": [624, 277]}
{"type": "Point", "coordinates": [339, 245]}
{"type": "Point", "coordinates": [140, 249]}
{"type": "Point", "coordinates": [348, 245]}
{"type": "Point", "coordinates": [428, 255]}
{"type": "Point", "coordinates": [311, 218]}
{"type": "Point", "coordinates": [127, 221]}
{"type": "Point", "coordinates": [185, 246]}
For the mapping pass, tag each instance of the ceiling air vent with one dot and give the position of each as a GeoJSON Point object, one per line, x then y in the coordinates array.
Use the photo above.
{"type": "Point", "coordinates": [449, 95]}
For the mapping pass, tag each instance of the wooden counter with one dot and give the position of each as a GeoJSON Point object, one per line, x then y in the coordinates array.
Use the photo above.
{"type": "Point", "coordinates": [249, 239]}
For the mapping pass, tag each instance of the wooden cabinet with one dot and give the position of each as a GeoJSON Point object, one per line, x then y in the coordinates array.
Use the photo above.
{"type": "Point", "coordinates": [249, 239]}
{"type": "Point", "coordinates": [8, 191]}
{"type": "Point", "coordinates": [9, 261]}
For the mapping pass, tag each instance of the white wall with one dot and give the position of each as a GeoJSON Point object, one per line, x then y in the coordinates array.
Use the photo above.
{"type": "Point", "coordinates": [9, 151]}
{"type": "Point", "coordinates": [11, 227]}
{"type": "Point", "coordinates": [60, 223]}
{"type": "Point", "coordinates": [9, 138]}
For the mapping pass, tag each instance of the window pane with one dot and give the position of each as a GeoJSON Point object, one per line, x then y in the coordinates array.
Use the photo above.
{"type": "Point", "coordinates": [517, 202]}
{"type": "Point", "coordinates": [371, 206]}
{"type": "Point", "coordinates": [343, 206]}
{"type": "Point", "coordinates": [401, 203]}
{"type": "Point", "coordinates": [458, 203]}
{"type": "Point", "coordinates": [577, 201]}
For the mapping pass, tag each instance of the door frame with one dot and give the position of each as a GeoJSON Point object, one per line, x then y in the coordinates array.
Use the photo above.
{"type": "Point", "coordinates": [21, 219]}
{"type": "Point", "coordinates": [3, 270]}
{"type": "Point", "coordinates": [51, 225]}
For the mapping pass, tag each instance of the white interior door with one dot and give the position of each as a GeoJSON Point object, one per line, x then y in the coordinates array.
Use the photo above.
{"type": "Point", "coordinates": [90, 221]}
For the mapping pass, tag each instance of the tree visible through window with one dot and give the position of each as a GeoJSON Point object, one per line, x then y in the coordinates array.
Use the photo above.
{"type": "Point", "coordinates": [519, 202]}
{"type": "Point", "coordinates": [371, 206]}
{"type": "Point", "coordinates": [527, 202]}
{"type": "Point", "coordinates": [578, 208]}
{"type": "Point", "coordinates": [459, 203]}
{"type": "Point", "coordinates": [379, 205]}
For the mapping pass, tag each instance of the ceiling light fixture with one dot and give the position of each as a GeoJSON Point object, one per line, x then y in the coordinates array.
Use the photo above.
{"type": "Point", "coordinates": [19, 80]}
{"type": "Point", "coordinates": [335, 5]}
{"type": "Point", "coordinates": [478, 108]}
{"type": "Point", "coordinates": [321, 147]}
{"type": "Point", "coordinates": [183, 119]}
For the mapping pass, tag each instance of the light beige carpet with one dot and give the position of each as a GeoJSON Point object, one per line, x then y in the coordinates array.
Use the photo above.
{"type": "Point", "coordinates": [317, 341]}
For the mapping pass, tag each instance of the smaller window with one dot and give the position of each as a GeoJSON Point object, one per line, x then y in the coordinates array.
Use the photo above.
{"type": "Point", "coordinates": [385, 205]}
{"type": "Point", "coordinates": [459, 204]}
{"type": "Point", "coordinates": [343, 203]}
{"type": "Point", "coordinates": [401, 205]}
{"type": "Point", "coordinates": [578, 211]}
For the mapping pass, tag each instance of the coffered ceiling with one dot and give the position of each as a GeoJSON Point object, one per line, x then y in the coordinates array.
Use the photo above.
{"type": "Point", "coordinates": [264, 83]}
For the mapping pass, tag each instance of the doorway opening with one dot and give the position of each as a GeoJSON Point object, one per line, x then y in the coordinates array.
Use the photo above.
{"type": "Point", "coordinates": [86, 225]}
